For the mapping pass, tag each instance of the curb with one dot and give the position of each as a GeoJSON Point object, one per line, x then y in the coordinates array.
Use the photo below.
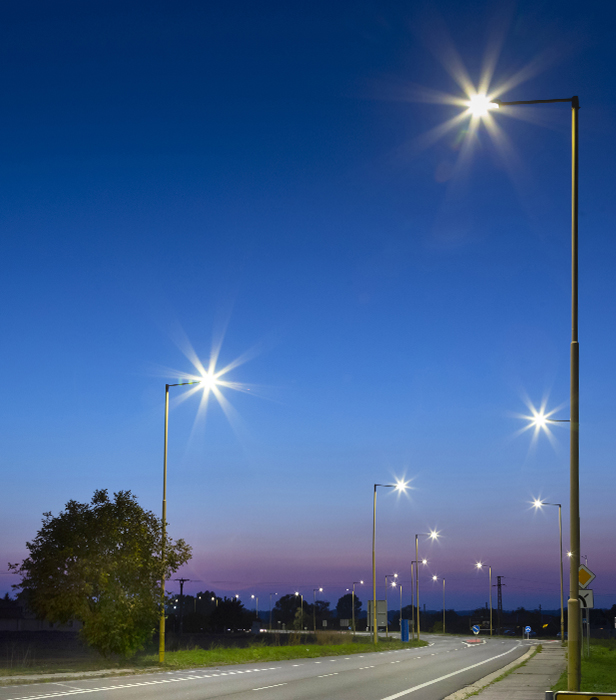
{"type": "Point", "coordinates": [487, 680]}
{"type": "Point", "coordinates": [74, 675]}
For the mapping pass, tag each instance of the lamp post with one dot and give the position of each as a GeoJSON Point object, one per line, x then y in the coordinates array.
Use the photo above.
{"type": "Point", "coordinates": [301, 622]}
{"type": "Point", "coordinates": [387, 576]}
{"type": "Point", "coordinates": [400, 486]}
{"type": "Point", "coordinates": [314, 607]}
{"type": "Point", "coordinates": [353, 603]}
{"type": "Point", "coordinates": [433, 535]}
{"type": "Point", "coordinates": [270, 610]}
{"type": "Point", "coordinates": [400, 608]}
{"type": "Point", "coordinates": [479, 565]}
{"type": "Point", "coordinates": [435, 578]}
{"type": "Point", "coordinates": [256, 599]}
{"type": "Point", "coordinates": [574, 645]}
{"type": "Point", "coordinates": [538, 504]}
{"type": "Point", "coordinates": [208, 381]}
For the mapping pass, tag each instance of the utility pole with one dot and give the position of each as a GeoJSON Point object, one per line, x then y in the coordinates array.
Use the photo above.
{"type": "Point", "coordinates": [499, 591]}
{"type": "Point", "coordinates": [182, 581]}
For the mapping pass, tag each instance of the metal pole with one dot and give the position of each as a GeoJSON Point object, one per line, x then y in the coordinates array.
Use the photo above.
{"type": "Point", "coordinates": [417, 581]}
{"type": "Point", "coordinates": [374, 634]}
{"type": "Point", "coordinates": [314, 610]}
{"type": "Point", "coordinates": [562, 611]}
{"type": "Point", "coordinates": [412, 602]}
{"type": "Point", "coordinates": [443, 606]}
{"type": "Point", "coordinates": [573, 604]}
{"type": "Point", "coordinates": [353, 610]}
{"type": "Point", "coordinates": [386, 610]}
{"type": "Point", "coordinates": [490, 580]}
{"type": "Point", "coordinates": [400, 608]}
{"type": "Point", "coordinates": [161, 634]}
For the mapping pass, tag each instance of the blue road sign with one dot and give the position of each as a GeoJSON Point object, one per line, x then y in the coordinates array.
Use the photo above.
{"type": "Point", "coordinates": [475, 629]}
{"type": "Point", "coordinates": [527, 629]}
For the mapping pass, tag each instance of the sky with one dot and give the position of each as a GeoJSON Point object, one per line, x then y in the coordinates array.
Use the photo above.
{"type": "Point", "coordinates": [296, 190]}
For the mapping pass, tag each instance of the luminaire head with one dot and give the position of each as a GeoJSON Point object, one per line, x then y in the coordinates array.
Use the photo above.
{"type": "Point", "coordinates": [480, 105]}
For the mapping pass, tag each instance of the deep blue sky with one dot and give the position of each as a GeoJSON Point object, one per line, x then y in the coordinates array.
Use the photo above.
{"type": "Point", "coordinates": [172, 168]}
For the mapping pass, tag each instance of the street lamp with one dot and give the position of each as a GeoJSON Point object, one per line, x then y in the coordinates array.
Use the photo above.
{"type": "Point", "coordinates": [270, 610]}
{"type": "Point", "coordinates": [479, 565]}
{"type": "Point", "coordinates": [208, 381]}
{"type": "Point", "coordinates": [574, 654]}
{"type": "Point", "coordinates": [539, 504]}
{"type": "Point", "coordinates": [314, 607]}
{"type": "Point", "coordinates": [301, 619]}
{"type": "Point", "coordinates": [400, 486]}
{"type": "Point", "coordinates": [256, 599]}
{"type": "Point", "coordinates": [432, 535]}
{"type": "Point", "coordinates": [387, 576]}
{"type": "Point", "coordinates": [393, 584]}
{"type": "Point", "coordinates": [435, 578]}
{"type": "Point", "coordinates": [361, 583]}
{"type": "Point", "coordinates": [413, 574]}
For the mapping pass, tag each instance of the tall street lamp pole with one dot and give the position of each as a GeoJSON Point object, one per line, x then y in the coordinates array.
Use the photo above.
{"type": "Point", "coordinates": [539, 504]}
{"type": "Point", "coordinates": [301, 596]}
{"type": "Point", "coordinates": [256, 599]}
{"type": "Point", "coordinates": [163, 546]}
{"type": "Point", "coordinates": [433, 536]}
{"type": "Point", "coordinates": [574, 645]}
{"type": "Point", "coordinates": [480, 566]}
{"type": "Point", "coordinates": [353, 604]}
{"type": "Point", "coordinates": [400, 608]}
{"type": "Point", "coordinates": [400, 486]}
{"type": "Point", "coordinates": [435, 578]}
{"type": "Point", "coordinates": [270, 610]}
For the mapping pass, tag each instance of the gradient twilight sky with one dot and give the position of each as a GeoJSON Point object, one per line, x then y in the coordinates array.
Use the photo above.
{"type": "Point", "coordinates": [266, 175]}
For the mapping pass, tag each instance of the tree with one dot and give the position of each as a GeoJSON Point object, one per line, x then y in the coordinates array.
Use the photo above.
{"type": "Point", "coordinates": [231, 615]}
{"type": "Point", "coordinates": [100, 563]}
{"type": "Point", "coordinates": [344, 606]}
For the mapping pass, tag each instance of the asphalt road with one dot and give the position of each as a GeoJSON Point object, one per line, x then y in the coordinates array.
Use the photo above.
{"type": "Point", "coordinates": [428, 673]}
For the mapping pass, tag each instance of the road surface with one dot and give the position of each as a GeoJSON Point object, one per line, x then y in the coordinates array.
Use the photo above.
{"type": "Point", "coordinates": [427, 673]}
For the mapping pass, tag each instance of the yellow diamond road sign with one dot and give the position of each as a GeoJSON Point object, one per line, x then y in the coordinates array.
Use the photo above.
{"type": "Point", "coordinates": [585, 576]}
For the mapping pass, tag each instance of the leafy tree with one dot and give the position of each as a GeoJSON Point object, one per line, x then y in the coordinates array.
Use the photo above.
{"type": "Point", "coordinates": [286, 607]}
{"type": "Point", "coordinates": [100, 563]}
{"type": "Point", "coordinates": [230, 615]}
{"type": "Point", "coordinates": [344, 606]}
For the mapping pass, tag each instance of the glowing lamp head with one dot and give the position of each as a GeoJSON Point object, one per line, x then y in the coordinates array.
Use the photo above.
{"type": "Point", "coordinates": [393, 584]}
{"type": "Point", "coordinates": [433, 535]}
{"type": "Point", "coordinates": [401, 485]}
{"type": "Point", "coordinates": [480, 105]}
{"type": "Point", "coordinates": [320, 590]}
{"type": "Point", "coordinates": [362, 582]}
{"type": "Point", "coordinates": [537, 503]}
{"type": "Point", "coordinates": [435, 578]}
{"type": "Point", "coordinates": [208, 381]}
{"type": "Point", "coordinates": [424, 561]}
{"type": "Point", "coordinates": [479, 565]}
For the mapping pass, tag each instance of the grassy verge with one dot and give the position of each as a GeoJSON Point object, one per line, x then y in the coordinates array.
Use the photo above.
{"type": "Point", "coordinates": [598, 671]}
{"type": "Point", "coordinates": [217, 656]}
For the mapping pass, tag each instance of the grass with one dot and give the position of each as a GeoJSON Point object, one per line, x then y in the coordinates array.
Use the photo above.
{"type": "Point", "coordinates": [598, 671]}
{"type": "Point", "coordinates": [218, 656]}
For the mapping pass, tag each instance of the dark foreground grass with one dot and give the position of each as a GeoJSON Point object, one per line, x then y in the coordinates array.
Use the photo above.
{"type": "Point", "coordinates": [258, 652]}
{"type": "Point", "coordinates": [598, 671]}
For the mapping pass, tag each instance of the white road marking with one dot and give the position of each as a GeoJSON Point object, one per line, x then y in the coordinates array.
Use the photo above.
{"type": "Point", "coordinates": [449, 675]}
{"type": "Point", "coordinates": [265, 687]}
{"type": "Point", "coordinates": [326, 675]}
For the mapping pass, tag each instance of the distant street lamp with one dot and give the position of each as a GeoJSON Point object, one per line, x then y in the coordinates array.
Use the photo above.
{"type": "Point", "coordinates": [297, 593]}
{"type": "Point", "coordinates": [539, 504]}
{"type": "Point", "coordinates": [361, 583]}
{"type": "Point", "coordinates": [435, 578]}
{"type": "Point", "coordinates": [270, 610]}
{"type": "Point", "coordinates": [479, 565]}
{"type": "Point", "coordinates": [413, 574]}
{"type": "Point", "coordinates": [387, 576]}
{"type": "Point", "coordinates": [314, 607]}
{"type": "Point", "coordinates": [480, 105]}
{"type": "Point", "coordinates": [400, 606]}
{"type": "Point", "coordinates": [433, 535]}
{"type": "Point", "coordinates": [256, 599]}
{"type": "Point", "coordinates": [208, 381]}
{"type": "Point", "coordinates": [400, 486]}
